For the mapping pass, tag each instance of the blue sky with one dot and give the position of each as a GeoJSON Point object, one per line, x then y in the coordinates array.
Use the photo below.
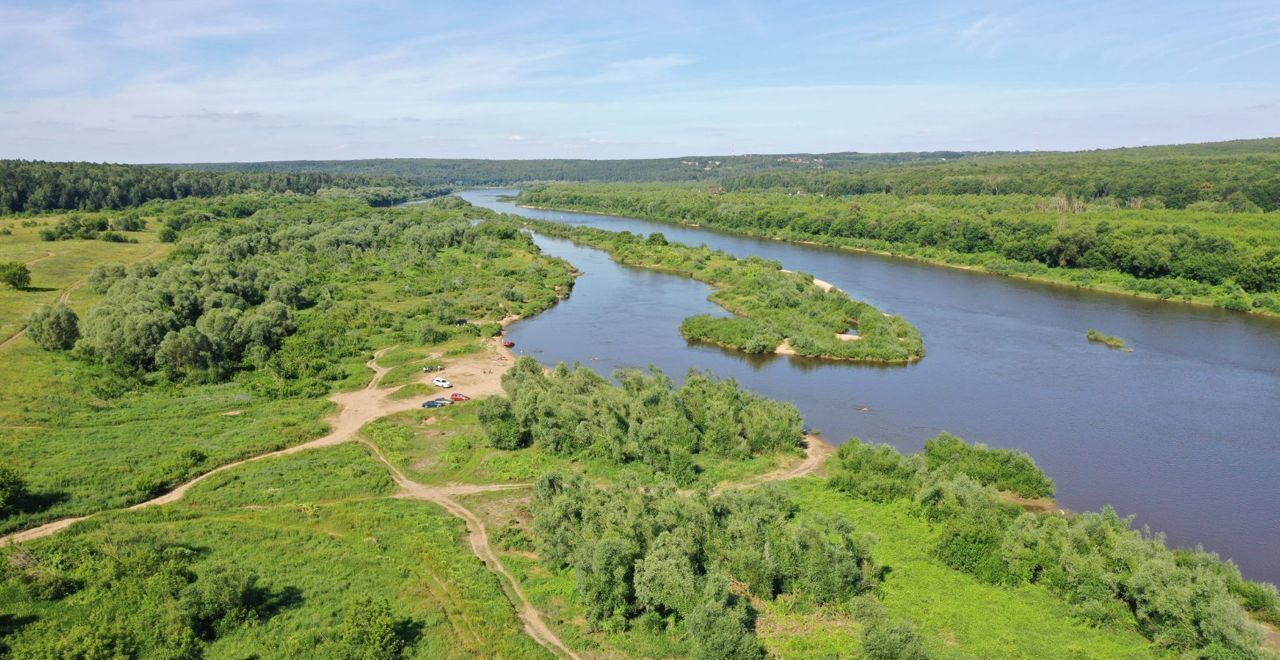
{"type": "Point", "coordinates": [217, 80]}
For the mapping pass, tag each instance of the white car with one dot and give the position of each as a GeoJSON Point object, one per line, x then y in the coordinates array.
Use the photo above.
{"type": "Point", "coordinates": [440, 382]}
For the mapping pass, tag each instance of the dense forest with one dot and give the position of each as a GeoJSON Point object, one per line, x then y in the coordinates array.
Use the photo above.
{"type": "Point", "coordinates": [1237, 176]}
{"type": "Point", "coordinates": [32, 186]}
{"type": "Point", "coordinates": [480, 172]}
{"type": "Point", "coordinates": [1229, 259]}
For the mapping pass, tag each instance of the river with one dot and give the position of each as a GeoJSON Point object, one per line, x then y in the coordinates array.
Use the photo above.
{"type": "Point", "coordinates": [1183, 433]}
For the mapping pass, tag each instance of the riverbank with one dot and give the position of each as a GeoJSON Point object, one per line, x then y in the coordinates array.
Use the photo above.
{"type": "Point", "coordinates": [773, 308]}
{"type": "Point", "coordinates": [1047, 279]}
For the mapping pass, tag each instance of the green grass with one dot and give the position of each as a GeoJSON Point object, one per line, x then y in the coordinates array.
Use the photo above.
{"type": "Point", "coordinates": [79, 453]}
{"type": "Point", "coordinates": [70, 263]}
{"type": "Point", "coordinates": [324, 557]}
{"type": "Point", "coordinates": [958, 615]}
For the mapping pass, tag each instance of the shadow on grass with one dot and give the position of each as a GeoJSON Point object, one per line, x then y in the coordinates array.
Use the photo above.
{"type": "Point", "coordinates": [29, 503]}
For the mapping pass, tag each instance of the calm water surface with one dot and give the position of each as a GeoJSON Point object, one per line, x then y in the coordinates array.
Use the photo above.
{"type": "Point", "coordinates": [1184, 432]}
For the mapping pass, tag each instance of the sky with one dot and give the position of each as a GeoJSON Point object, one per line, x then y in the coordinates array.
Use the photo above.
{"type": "Point", "coordinates": [245, 80]}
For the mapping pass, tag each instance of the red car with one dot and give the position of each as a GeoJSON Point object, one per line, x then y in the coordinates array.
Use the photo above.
{"type": "Point", "coordinates": [508, 343]}
{"type": "Point", "coordinates": [458, 396]}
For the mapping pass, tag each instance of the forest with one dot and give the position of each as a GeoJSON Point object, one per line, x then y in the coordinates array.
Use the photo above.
{"type": "Point", "coordinates": [1229, 259]}
{"type": "Point", "coordinates": [480, 172]}
{"type": "Point", "coordinates": [34, 186]}
{"type": "Point", "coordinates": [1238, 176]}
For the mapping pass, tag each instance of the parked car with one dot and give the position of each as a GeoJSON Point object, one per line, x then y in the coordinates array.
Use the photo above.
{"type": "Point", "coordinates": [508, 343]}
{"type": "Point", "coordinates": [435, 403]}
{"type": "Point", "coordinates": [460, 321]}
{"type": "Point", "coordinates": [440, 382]}
{"type": "Point", "coordinates": [459, 396]}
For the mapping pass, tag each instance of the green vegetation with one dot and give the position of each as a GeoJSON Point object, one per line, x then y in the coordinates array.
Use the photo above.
{"type": "Point", "coordinates": [296, 556]}
{"type": "Point", "coordinates": [771, 305]}
{"type": "Point", "coordinates": [706, 432]}
{"type": "Point", "coordinates": [644, 419]}
{"type": "Point", "coordinates": [1238, 176]}
{"type": "Point", "coordinates": [15, 275]}
{"type": "Point", "coordinates": [1229, 259]}
{"type": "Point", "coordinates": [1111, 342]}
{"type": "Point", "coordinates": [225, 349]}
{"type": "Point", "coordinates": [479, 172]}
{"type": "Point", "coordinates": [647, 557]}
{"type": "Point", "coordinates": [1106, 573]}
{"type": "Point", "coordinates": [35, 186]}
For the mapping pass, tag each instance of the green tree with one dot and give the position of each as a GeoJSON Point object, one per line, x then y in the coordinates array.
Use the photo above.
{"type": "Point", "coordinates": [184, 352]}
{"type": "Point", "coordinates": [15, 274]}
{"type": "Point", "coordinates": [501, 428]}
{"type": "Point", "coordinates": [54, 328]}
{"type": "Point", "coordinates": [104, 275]}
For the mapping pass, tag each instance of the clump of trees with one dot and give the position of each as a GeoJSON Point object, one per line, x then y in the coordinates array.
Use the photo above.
{"type": "Point", "coordinates": [643, 420]}
{"type": "Point", "coordinates": [1187, 601]}
{"type": "Point", "coordinates": [97, 226]}
{"type": "Point", "coordinates": [645, 556]}
{"type": "Point", "coordinates": [770, 305]}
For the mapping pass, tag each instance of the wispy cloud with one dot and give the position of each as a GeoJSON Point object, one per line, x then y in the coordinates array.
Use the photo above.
{"type": "Point", "coordinates": [236, 79]}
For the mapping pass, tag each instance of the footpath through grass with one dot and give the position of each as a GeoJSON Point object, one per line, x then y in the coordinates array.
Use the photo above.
{"type": "Point", "coordinates": [321, 534]}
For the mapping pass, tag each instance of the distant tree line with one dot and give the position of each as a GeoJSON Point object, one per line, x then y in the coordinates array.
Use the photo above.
{"type": "Point", "coordinates": [1228, 177]}
{"type": "Point", "coordinates": [481, 172]}
{"type": "Point", "coordinates": [33, 186]}
{"type": "Point", "coordinates": [1231, 257]}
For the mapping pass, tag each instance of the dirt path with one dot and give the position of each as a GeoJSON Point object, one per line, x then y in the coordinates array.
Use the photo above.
{"type": "Point", "coordinates": [479, 375]}
{"type": "Point", "coordinates": [355, 409]}
{"type": "Point", "coordinates": [478, 536]}
{"type": "Point", "coordinates": [816, 452]}
{"type": "Point", "coordinates": [63, 297]}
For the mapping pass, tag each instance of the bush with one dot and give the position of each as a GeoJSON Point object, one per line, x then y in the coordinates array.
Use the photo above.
{"type": "Point", "coordinates": [15, 274]}
{"type": "Point", "coordinates": [12, 488]}
{"type": "Point", "coordinates": [369, 632]}
{"type": "Point", "coordinates": [501, 428]}
{"type": "Point", "coordinates": [892, 640]}
{"type": "Point", "coordinates": [54, 328]}
{"type": "Point", "coordinates": [1005, 469]}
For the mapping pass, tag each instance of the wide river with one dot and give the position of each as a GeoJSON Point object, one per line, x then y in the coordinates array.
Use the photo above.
{"type": "Point", "coordinates": [1183, 433]}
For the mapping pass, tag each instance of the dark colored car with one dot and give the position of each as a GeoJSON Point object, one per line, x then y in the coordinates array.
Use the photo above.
{"type": "Point", "coordinates": [436, 403]}
{"type": "Point", "coordinates": [458, 396]}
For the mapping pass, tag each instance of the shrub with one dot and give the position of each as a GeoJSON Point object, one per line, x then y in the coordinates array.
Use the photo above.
{"type": "Point", "coordinates": [15, 274]}
{"type": "Point", "coordinates": [1005, 469]}
{"type": "Point", "coordinates": [501, 428]}
{"type": "Point", "coordinates": [54, 328]}
{"type": "Point", "coordinates": [12, 488]}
